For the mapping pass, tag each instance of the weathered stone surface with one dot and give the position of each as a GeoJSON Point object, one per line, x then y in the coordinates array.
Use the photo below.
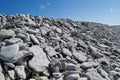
{"type": "Point", "coordinates": [34, 39]}
{"type": "Point", "coordinates": [2, 77]}
{"type": "Point", "coordinates": [50, 51]}
{"type": "Point", "coordinates": [79, 56]}
{"type": "Point", "coordinates": [66, 51]}
{"type": "Point", "coordinates": [35, 47]}
{"type": "Point", "coordinates": [94, 75]}
{"type": "Point", "coordinates": [8, 52]}
{"type": "Point", "coordinates": [7, 33]}
{"type": "Point", "coordinates": [89, 64]}
{"type": "Point", "coordinates": [12, 74]}
{"type": "Point", "coordinates": [72, 77]}
{"type": "Point", "coordinates": [39, 60]}
{"type": "Point", "coordinates": [20, 71]}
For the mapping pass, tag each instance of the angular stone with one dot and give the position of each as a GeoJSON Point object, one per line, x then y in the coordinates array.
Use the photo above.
{"type": "Point", "coordinates": [83, 78]}
{"type": "Point", "coordinates": [43, 78]}
{"type": "Point", "coordinates": [39, 61]}
{"type": "Point", "coordinates": [2, 77]}
{"type": "Point", "coordinates": [1, 69]}
{"type": "Point", "coordinates": [50, 51]}
{"type": "Point", "coordinates": [9, 64]}
{"type": "Point", "coordinates": [8, 52]}
{"type": "Point", "coordinates": [20, 56]}
{"type": "Point", "coordinates": [103, 73]}
{"type": "Point", "coordinates": [58, 30]}
{"type": "Point", "coordinates": [31, 31]}
{"type": "Point", "coordinates": [89, 64]}
{"type": "Point", "coordinates": [20, 71]}
{"type": "Point", "coordinates": [79, 56]}
{"type": "Point", "coordinates": [94, 51]}
{"type": "Point", "coordinates": [12, 74]}
{"type": "Point", "coordinates": [72, 77]}
{"type": "Point", "coordinates": [57, 75]}
{"type": "Point", "coordinates": [34, 39]}
{"type": "Point", "coordinates": [66, 51]}
{"type": "Point", "coordinates": [70, 66]}
{"type": "Point", "coordinates": [7, 33]}
{"type": "Point", "coordinates": [94, 75]}
{"type": "Point", "coordinates": [14, 41]}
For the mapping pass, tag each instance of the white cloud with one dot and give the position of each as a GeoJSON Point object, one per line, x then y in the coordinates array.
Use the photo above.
{"type": "Point", "coordinates": [42, 6]}
{"type": "Point", "coordinates": [112, 10]}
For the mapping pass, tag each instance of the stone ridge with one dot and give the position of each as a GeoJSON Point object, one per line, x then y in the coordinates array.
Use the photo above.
{"type": "Point", "coordinates": [41, 48]}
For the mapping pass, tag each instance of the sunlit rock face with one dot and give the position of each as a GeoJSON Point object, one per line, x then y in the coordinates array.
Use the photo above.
{"type": "Point", "coordinates": [41, 48]}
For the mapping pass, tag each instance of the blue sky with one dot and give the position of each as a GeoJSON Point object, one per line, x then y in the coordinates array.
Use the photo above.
{"type": "Point", "coordinates": [103, 11]}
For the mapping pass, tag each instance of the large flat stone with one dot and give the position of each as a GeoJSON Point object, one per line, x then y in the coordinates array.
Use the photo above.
{"type": "Point", "coordinates": [39, 60]}
{"type": "Point", "coordinates": [8, 52]}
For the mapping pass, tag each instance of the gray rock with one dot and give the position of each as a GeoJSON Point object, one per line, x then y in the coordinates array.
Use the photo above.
{"type": "Point", "coordinates": [50, 51]}
{"type": "Point", "coordinates": [82, 44]}
{"type": "Point", "coordinates": [83, 78]}
{"type": "Point", "coordinates": [79, 56]}
{"type": "Point", "coordinates": [12, 74]}
{"type": "Point", "coordinates": [70, 66]}
{"type": "Point", "coordinates": [57, 75]}
{"type": "Point", "coordinates": [9, 64]}
{"type": "Point", "coordinates": [2, 77]}
{"type": "Point", "coordinates": [31, 31]}
{"type": "Point", "coordinates": [44, 30]}
{"type": "Point", "coordinates": [34, 39]}
{"type": "Point", "coordinates": [20, 56]}
{"type": "Point", "coordinates": [13, 41]}
{"type": "Point", "coordinates": [1, 69]}
{"type": "Point", "coordinates": [41, 39]}
{"type": "Point", "coordinates": [20, 71]}
{"type": "Point", "coordinates": [89, 64]}
{"type": "Point", "coordinates": [94, 75]}
{"type": "Point", "coordinates": [39, 60]}
{"type": "Point", "coordinates": [66, 51]}
{"type": "Point", "coordinates": [43, 78]}
{"type": "Point", "coordinates": [103, 73]}
{"type": "Point", "coordinates": [72, 77]}
{"type": "Point", "coordinates": [7, 33]}
{"type": "Point", "coordinates": [58, 30]}
{"type": "Point", "coordinates": [94, 52]}
{"type": "Point", "coordinates": [8, 52]}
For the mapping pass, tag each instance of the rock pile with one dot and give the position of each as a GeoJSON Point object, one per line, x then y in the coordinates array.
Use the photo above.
{"type": "Point", "coordinates": [39, 48]}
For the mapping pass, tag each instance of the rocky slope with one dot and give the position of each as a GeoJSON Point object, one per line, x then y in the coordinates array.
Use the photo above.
{"type": "Point", "coordinates": [39, 48]}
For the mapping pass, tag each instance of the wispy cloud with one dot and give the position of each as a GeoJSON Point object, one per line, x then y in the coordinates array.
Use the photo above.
{"type": "Point", "coordinates": [66, 10]}
{"type": "Point", "coordinates": [44, 6]}
{"type": "Point", "coordinates": [111, 10]}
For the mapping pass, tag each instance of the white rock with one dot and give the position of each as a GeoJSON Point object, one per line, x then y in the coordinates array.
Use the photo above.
{"type": "Point", "coordinates": [89, 64]}
{"type": "Point", "coordinates": [66, 52]}
{"type": "Point", "coordinates": [94, 75]}
{"type": "Point", "coordinates": [34, 39]}
{"type": "Point", "coordinates": [50, 51]}
{"type": "Point", "coordinates": [39, 60]}
{"type": "Point", "coordinates": [20, 71]}
{"type": "Point", "coordinates": [79, 56]}
{"type": "Point", "coordinates": [83, 78]}
{"type": "Point", "coordinates": [58, 30]}
{"type": "Point", "coordinates": [21, 54]}
{"type": "Point", "coordinates": [2, 77]}
{"type": "Point", "coordinates": [8, 52]}
{"type": "Point", "coordinates": [72, 77]}
{"type": "Point", "coordinates": [7, 33]}
{"type": "Point", "coordinates": [12, 74]}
